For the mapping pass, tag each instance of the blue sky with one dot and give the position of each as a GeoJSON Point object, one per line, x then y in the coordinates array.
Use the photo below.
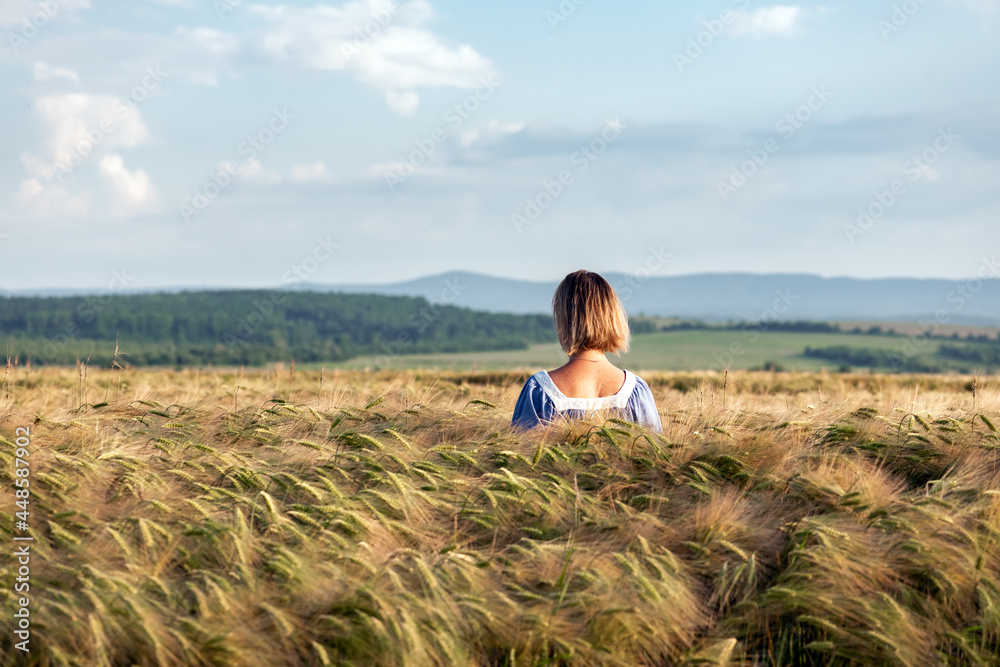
{"type": "Point", "coordinates": [225, 142]}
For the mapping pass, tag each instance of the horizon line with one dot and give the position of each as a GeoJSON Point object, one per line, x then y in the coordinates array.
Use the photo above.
{"type": "Point", "coordinates": [37, 291]}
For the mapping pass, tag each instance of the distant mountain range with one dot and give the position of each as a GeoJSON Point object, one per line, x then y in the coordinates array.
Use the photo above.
{"type": "Point", "coordinates": [725, 296]}
{"type": "Point", "coordinates": [714, 297]}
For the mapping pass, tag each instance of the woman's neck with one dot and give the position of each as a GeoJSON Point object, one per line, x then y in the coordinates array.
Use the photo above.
{"type": "Point", "coordinates": [593, 356]}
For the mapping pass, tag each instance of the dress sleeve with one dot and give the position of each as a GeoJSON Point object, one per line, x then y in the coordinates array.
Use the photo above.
{"type": "Point", "coordinates": [530, 408]}
{"type": "Point", "coordinates": [643, 407]}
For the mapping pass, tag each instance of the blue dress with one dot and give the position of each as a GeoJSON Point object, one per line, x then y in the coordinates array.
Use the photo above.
{"type": "Point", "coordinates": [541, 401]}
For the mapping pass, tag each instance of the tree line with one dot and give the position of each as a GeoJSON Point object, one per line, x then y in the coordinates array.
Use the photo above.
{"type": "Point", "coordinates": [963, 358]}
{"type": "Point", "coordinates": [252, 327]}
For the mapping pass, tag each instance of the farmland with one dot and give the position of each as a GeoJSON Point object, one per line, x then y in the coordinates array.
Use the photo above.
{"type": "Point", "coordinates": [270, 517]}
{"type": "Point", "coordinates": [670, 350]}
{"type": "Point", "coordinates": [357, 331]}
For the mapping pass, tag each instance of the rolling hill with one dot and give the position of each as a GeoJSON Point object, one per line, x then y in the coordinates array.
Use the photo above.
{"type": "Point", "coordinates": [724, 296]}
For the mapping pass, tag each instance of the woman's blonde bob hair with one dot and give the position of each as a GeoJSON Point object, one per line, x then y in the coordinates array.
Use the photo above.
{"type": "Point", "coordinates": [589, 315]}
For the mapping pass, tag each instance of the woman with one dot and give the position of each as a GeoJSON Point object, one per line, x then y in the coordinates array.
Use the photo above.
{"type": "Point", "coordinates": [590, 322]}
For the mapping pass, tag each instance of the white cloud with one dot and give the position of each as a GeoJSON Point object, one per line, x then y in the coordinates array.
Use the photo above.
{"type": "Point", "coordinates": [133, 192]}
{"type": "Point", "coordinates": [204, 52]}
{"type": "Point", "coordinates": [42, 72]}
{"type": "Point", "coordinates": [79, 130]}
{"type": "Point", "coordinates": [406, 58]}
{"type": "Point", "coordinates": [389, 45]}
{"type": "Point", "coordinates": [512, 127]}
{"type": "Point", "coordinates": [214, 41]}
{"type": "Point", "coordinates": [403, 103]}
{"type": "Point", "coordinates": [305, 173]}
{"type": "Point", "coordinates": [254, 173]}
{"type": "Point", "coordinates": [37, 167]}
{"type": "Point", "coordinates": [778, 20]}
{"type": "Point", "coordinates": [327, 37]}
{"type": "Point", "coordinates": [468, 137]}
{"type": "Point", "coordinates": [392, 50]}
{"type": "Point", "coordinates": [40, 200]}
{"type": "Point", "coordinates": [493, 130]}
{"type": "Point", "coordinates": [73, 126]}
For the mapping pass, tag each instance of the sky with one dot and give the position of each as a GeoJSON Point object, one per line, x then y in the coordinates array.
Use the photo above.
{"type": "Point", "coordinates": [229, 143]}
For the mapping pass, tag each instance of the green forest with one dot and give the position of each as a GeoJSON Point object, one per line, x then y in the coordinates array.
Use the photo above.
{"type": "Point", "coordinates": [251, 327]}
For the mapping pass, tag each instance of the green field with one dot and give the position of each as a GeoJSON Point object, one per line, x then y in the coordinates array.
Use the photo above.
{"type": "Point", "coordinates": [673, 350]}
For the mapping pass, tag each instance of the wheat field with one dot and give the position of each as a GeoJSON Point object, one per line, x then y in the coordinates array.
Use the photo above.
{"type": "Point", "coordinates": [272, 517]}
